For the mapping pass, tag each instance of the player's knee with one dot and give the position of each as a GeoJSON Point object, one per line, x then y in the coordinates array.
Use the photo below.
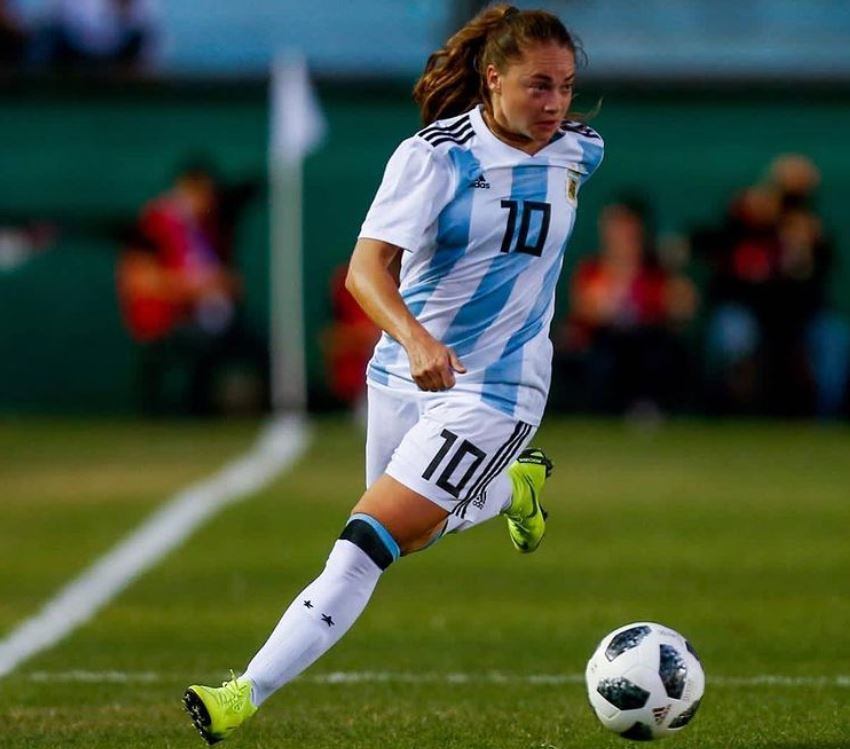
{"type": "Point", "coordinates": [371, 537]}
{"type": "Point", "coordinates": [425, 541]}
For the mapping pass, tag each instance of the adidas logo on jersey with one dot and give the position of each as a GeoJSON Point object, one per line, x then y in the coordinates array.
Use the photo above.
{"type": "Point", "coordinates": [481, 183]}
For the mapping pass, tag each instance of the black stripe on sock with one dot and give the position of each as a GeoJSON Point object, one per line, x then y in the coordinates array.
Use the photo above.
{"type": "Point", "coordinates": [366, 538]}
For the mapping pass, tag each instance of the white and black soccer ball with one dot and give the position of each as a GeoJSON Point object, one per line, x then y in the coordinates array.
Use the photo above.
{"type": "Point", "coordinates": [644, 681]}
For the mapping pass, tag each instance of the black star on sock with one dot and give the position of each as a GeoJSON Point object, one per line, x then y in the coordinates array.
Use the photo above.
{"type": "Point", "coordinates": [308, 604]}
{"type": "Point", "coordinates": [327, 620]}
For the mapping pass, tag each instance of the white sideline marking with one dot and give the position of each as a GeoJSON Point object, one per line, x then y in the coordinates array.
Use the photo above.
{"type": "Point", "coordinates": [113, 677]}
{"type": "Point", "coordinates": [278, 447]}
{"type": "Point", "coordinates": [401, 677]}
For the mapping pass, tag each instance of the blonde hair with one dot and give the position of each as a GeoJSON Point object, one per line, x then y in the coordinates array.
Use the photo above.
{"type": "Point", "coordinates": [453, 80]}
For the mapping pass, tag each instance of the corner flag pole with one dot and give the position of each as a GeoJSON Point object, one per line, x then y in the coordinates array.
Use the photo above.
{"type": "Point", "coordinates": [296, 127]}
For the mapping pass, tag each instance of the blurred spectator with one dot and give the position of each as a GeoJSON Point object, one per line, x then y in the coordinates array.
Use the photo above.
{"type": "Point", "coordinates": [773, 344]}
{"type": "Point", "coordinates": [149, 293]}
{"type": "Point", "coordinates": [183, 227]}
{"type": "Point", "coordinates": [348, 344]}
{"type": "Point", "coordinates": [97, 34]}
{"type": "Point", "coordinates": [180, 296]}
{"type": "Point", "coordinates": [13, 36]}
{"type": "Point", "coordinates": [621, 343]}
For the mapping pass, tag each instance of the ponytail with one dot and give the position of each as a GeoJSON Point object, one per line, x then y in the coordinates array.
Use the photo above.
{"type": "Point", "coordinates": [453, 80]}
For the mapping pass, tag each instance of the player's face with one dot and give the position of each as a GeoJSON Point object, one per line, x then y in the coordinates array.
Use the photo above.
{"type": "Point", "coordinates": [533, 95]}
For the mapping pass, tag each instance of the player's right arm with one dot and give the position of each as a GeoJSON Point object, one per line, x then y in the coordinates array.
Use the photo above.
{"type": "Point", "coordinates": [417, 184]}
{"type": "Point", "coordinates": [372, 280]}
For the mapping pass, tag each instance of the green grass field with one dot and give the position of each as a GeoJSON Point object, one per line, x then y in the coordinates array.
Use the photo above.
{"type": "Point", "coordinates": [737, 535]}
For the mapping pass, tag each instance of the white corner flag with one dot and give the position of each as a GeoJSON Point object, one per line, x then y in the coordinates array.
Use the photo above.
{"type": "Point", "coordinates": [297, 124]}
{"type": "Point", "coordinates": [296, 127]}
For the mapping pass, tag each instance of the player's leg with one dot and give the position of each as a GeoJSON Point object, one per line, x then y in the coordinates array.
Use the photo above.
{"type": "Point", "coordinates": [388, 518]}
{"type": "Point", "coordinates": [518, 494]}
{"type": "Point", "coordinates": [446, 462]}
{"type": "Point", "coordinates": [514, 493]}
{"type": "Point", "coordinates": [469, 469]}
{"type": "Point", "coordinates": [385, 521]}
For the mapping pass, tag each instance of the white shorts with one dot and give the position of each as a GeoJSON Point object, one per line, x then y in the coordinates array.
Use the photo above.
{"type": "Point", "coordinates": [446, 447]}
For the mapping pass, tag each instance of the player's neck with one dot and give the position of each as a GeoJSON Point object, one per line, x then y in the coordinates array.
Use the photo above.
{"type": "Point", "coordinates": [515, 140]}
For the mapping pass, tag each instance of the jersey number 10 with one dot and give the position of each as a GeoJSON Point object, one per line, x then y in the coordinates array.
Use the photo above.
{"type": "Point", "coordinates": [466, 449]}
{"type": "Point", "coordinates": [525, 209]}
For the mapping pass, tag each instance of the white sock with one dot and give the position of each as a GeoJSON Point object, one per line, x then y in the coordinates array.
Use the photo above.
{"type": "Point", "coordinates": [499, 494]}
{"type": "Point", "coordinates": [321, 614]}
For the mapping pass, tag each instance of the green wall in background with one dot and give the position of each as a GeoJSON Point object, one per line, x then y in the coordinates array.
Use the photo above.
{"type": "Point", "coordinates": [90, 158]}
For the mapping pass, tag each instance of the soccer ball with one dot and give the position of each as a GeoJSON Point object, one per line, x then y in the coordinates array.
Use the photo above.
{"type": "Point", "coordinates": [644, 681]}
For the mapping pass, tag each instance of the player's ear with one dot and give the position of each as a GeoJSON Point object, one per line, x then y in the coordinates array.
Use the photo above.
{"type": "Point", "coordinates": [494, 80]}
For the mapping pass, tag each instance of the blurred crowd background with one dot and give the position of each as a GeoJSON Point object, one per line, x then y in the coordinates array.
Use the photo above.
{"type": "Point", "coordinates": [709, 271]}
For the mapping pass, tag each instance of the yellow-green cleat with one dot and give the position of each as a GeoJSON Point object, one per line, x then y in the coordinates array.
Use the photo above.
{"type": "Point", "coordinates": [526, 516]}
{"type": "Point", "coordinates": [218, 711]}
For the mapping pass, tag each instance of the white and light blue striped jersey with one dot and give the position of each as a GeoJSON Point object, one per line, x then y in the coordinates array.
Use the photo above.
{"type": "Point", "coordinates": [484, 227]}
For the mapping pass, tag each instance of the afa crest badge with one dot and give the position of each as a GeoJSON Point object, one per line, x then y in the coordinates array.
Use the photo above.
{"type": "Point", "coordinates": [572, 187]}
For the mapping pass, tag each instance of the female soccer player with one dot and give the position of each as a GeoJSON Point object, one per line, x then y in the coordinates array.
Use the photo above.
{"type": "Point", "coordinates": [457, 263]}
